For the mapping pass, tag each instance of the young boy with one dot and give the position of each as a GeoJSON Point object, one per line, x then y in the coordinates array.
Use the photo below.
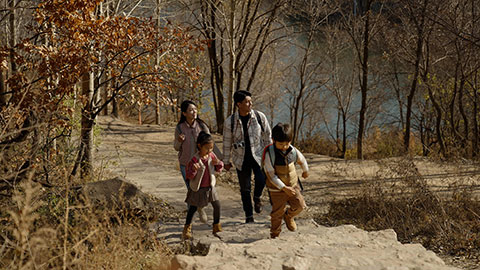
{"type": "Point", "coordinates": [282, 182]}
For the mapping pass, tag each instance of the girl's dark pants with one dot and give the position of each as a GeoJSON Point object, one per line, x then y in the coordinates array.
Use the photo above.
{"type": "Point", "coordinates": [216, 213]}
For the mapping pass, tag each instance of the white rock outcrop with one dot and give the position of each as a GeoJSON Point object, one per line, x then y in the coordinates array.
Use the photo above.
{"type": "Point", "coordinates": [247, 246]}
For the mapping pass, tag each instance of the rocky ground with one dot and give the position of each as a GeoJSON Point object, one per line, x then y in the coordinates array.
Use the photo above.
{"type": "Point", "coordinates": [144, 155]}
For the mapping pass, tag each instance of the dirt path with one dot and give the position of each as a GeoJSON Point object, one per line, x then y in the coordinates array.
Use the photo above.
{"type": "Point", "coordinates": [145, 156]}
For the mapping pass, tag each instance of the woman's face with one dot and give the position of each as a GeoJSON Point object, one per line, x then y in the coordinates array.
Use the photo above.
{"type": "Point", "coordinates": [191, 113]}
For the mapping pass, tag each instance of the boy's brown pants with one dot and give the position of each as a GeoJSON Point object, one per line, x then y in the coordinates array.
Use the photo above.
{"type": "Point", "coordinates": [279, 205]}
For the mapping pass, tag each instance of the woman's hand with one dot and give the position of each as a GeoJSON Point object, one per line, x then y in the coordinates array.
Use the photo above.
{"type": "Point", "coordinates": [181, 137]}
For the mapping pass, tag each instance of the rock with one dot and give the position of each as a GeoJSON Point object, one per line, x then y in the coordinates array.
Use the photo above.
{"type": "Point", "coordinates": [118, 195]}
{"type": "Point", "coordinates": [311, 247]}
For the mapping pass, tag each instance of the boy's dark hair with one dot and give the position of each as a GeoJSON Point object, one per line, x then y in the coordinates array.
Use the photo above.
{"type": "Point", "coordinates": [204, 138]}
{"type": "Point", "coordinates": [240, 95]}
{"type": "Point", "coordinates": [282, 133]}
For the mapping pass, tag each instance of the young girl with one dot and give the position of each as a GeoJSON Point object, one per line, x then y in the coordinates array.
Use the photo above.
{"type": "Point", "coordinates": [201, 189]}
{"type": "Point", "coordinates": [186, 133]}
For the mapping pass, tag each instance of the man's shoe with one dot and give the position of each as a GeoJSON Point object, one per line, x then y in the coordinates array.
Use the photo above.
{"type": "Point", "coordinates": [291, 225]}
{"type": "Point", "coordinates": [258, 207]}
{"type": "Point", "coordinates": [249, 220]}
{"type": "Point", "coordinates": [202, 215]}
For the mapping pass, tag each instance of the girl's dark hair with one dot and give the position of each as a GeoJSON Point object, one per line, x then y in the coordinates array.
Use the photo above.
{"type": "Point", "coordinates": [204, 138]}
{"type": "Point", "coordinates": [282, 133]}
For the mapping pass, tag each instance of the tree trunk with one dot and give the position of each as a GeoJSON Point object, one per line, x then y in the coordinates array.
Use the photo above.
{"type": "Point", "coordinates": [231, 71]}
{"type": "Point", "coordinates": [13, 35]}
{"type": "Point", "coordinates": [461, 108]}
{"type": "Point", "coordinates": [216, 78]}
{"type": "Point", "coordinates": [413, 88]}
{"type": "Point", "coordinates": [3, 90]}
{"type": "Point", "coordinates": [87, 123]}
{"type": "Point", "coordinates": [364, 86]}
{"type": "Point", "coordinates": [475, 118]}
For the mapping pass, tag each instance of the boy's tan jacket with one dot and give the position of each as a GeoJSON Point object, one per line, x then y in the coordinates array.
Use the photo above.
{"type": "Point", "coordinates": [195, 183]}
{"type": "Point", "coordinates": [286, 173]}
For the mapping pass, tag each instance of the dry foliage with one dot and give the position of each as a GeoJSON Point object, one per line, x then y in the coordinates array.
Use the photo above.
{"type": "Point", "coordinates": [447, 224]}
{"type": "Point", "coordinates": [51, 230]}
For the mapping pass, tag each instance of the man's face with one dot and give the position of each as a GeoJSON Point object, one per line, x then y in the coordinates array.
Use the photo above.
{"type": "Point", "coordinates": [246, 105]}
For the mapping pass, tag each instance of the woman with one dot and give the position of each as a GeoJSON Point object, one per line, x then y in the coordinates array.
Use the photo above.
{"type": "Point", "coordinates": [186, 134]}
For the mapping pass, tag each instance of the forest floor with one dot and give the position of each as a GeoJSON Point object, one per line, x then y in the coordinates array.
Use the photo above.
{"type": "Point", "coordinates": [145, 156]}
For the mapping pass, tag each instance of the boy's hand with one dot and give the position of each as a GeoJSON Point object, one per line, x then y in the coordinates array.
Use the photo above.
{"type": "Point", "coordinates": [305, 174]}
{"type": "Point", "coordinates": [289, 191]}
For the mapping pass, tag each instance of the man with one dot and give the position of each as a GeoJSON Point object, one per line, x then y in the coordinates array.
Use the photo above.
{"type": "Point", "coordinates": [245, 134]}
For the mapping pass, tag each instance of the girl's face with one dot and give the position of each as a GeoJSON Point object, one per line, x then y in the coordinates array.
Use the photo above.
{"type": "Point", "coordinates": [191, 113]}
{"type": "Point", "coordinates": [205, 149]}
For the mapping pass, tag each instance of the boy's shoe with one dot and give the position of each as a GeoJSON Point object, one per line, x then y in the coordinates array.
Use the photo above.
{"type": "Point", "coordinates": [202, 215]}
{"type": "Point", "coordinates": [249, 220]}
{"type": "Point", "coordinates": [291, 225]}
{"type": "Point", "coordinates": [217, 228]}
{"type": "Point", "coordinates": [274, 235]}
{"type": "Point", "coordinates": [187, 232]}
{"type": "Point", "coordinates": [258, 207]}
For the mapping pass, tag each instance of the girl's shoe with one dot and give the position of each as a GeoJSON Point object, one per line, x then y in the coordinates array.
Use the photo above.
{"type": "Point", "coordinates": [217, 228]}
{"type": "Point", "coordinates": [202, 215]}
{"type": "Point", "coordinates": [187, 232]}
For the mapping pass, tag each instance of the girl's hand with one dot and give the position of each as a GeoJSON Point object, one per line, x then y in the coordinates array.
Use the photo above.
{"type": "Point", "coordinates": [181, 137]}
{"type": "Point", "coordinates": [196, 166]}
{"type": "Point", "coordinates": [305, 174]}
{"type": "Point", "coordinates": [215, 161]}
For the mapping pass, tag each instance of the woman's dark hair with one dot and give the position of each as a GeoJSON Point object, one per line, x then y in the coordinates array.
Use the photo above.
{"type": "Point", "coordinates": [204, 138]}
{"type": "Point", "coordinates": [184, 108]}
{"type": "Point", "coordinates": [282, 133]}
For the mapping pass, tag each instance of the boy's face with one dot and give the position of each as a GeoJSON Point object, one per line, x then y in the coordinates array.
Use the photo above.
{"type": "Point", "coordinates": [282, 145]}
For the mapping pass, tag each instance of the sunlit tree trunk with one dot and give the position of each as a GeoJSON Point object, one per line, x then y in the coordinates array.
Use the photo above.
{"type": "Point", "coordinates": [87, 123]}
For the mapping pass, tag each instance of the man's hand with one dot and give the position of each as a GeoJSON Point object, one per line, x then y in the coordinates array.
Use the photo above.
{"type": "Point", "coordinates": [289, 191]}
{"type": "Point", "coordinates": [227, 166]}
{"type": "Point", "coordinates": [305, 174]}
{"type": "Point", "coordinates": [181, 137]}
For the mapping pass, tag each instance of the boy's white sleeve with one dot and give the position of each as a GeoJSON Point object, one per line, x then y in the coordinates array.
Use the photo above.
{"type": "Point", "coordinates": [302, 161]}
{"type": "Point", "coordinates": [271, 172]}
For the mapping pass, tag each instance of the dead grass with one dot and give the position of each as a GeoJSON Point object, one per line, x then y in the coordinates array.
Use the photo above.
{"type": "Point", "coordinates": [448, 224]}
